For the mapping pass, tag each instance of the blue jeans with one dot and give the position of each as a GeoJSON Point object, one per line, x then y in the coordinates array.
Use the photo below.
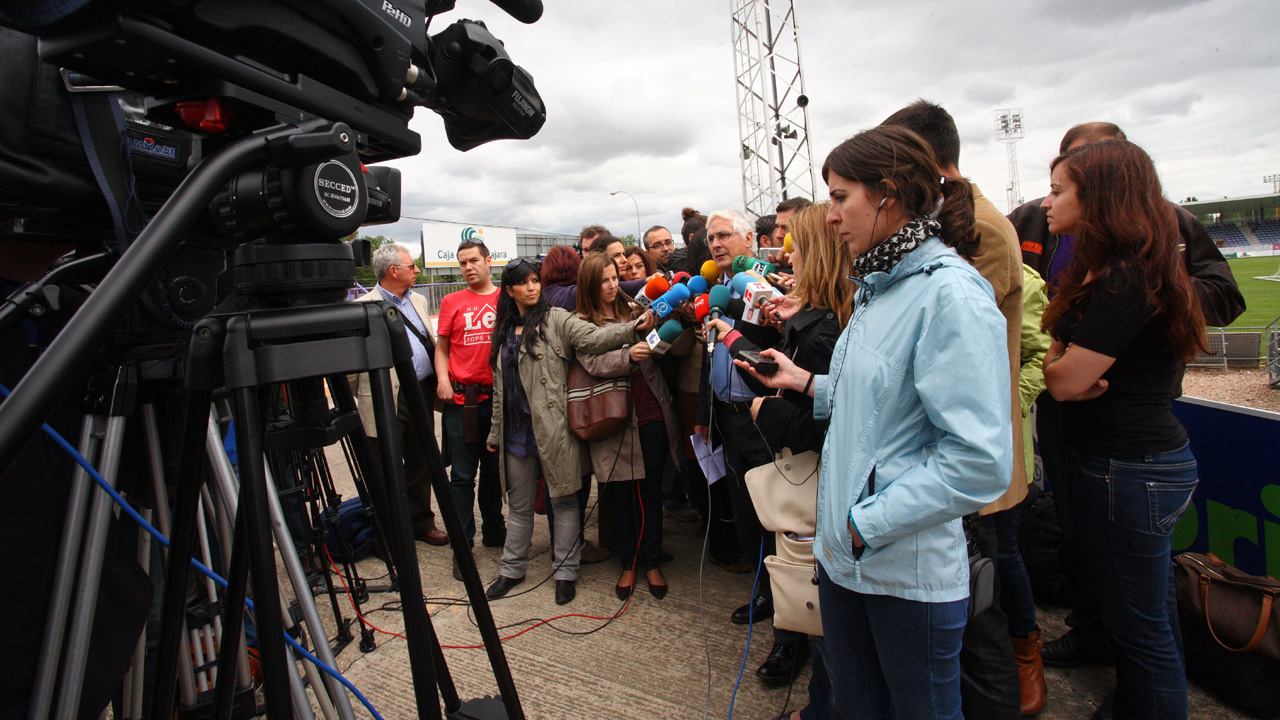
{"type": "Point", "coordinates": [1016, 600]}
{"type": "Point", "coordinates": [467, 458]}
{"type": "Point", "coordinates": [1124, 510]}
{"type": "Point", "coordinates": [819, 707]}
{"type": "Point", "coordinates": [889, 657]}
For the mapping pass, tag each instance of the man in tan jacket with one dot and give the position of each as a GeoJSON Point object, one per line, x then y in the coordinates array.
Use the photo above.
{"type": "Point", "coordinates": [999, 260]}
{"type": "Point", "coordinates": [396, 272]}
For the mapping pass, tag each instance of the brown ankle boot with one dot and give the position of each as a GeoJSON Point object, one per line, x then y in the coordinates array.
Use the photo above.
{"type": "Point", "coordinates": [1030, 673]}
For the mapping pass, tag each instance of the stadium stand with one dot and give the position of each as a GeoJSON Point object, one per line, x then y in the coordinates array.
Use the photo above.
{"type": "Point", "coordinates": [1227, 235]}
{"type": "Point", "coordinates": [1267, 231]}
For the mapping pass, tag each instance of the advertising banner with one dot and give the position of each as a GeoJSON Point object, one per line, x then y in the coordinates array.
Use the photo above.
{"type": "Point", "coordinates": [440, 242]}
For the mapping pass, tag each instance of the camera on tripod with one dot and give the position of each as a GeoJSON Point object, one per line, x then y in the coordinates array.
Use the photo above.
{"type": "Point", "coordinates": [241, 130]}
{"type": "Point", "coordinates": [200, 76]}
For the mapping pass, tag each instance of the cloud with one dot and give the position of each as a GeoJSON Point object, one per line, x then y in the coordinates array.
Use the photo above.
{"type": "Point", "coordinates": [640, 97]}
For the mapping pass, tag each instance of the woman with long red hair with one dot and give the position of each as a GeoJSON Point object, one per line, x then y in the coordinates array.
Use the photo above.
{"type": "Point", "coordinates": [1123, 320]}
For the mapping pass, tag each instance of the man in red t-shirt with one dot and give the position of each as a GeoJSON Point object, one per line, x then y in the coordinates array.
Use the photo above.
{"type": "Point", "coordinates": [464, 385]}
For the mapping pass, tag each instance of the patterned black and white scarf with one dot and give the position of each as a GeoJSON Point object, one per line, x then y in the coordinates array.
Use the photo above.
{"type": "Point", "coordinates": [883, 257]}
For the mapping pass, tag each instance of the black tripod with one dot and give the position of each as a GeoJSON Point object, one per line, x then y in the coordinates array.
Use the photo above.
{"type": "Point", "coordinates": [316, 340]}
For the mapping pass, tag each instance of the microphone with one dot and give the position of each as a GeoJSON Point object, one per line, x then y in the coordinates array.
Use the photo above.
{"type": "Point", "coordinates": [786, 243]}
{"type": "Point", "coordinates": [701, 306]}
{"type": "Point", "coordinates": [652, 290]}
{"type": "Point", "coordinates": [697, 285]}
{"type": "Point", "coordinates": [681, 277]}
{"type": "Point", "coordinates": [526, 11]}
{"type": "Point", "coordinates": [740, 281]}
{"type": "Point", "coordinates": [743, 263]}
{"type": "Point", "coordinates": [660, 339]}
{"type": "Point", "coordinates": [710, 271]}
{"type": "Point", "coordinates": [671, 299]}
{"type": "Point", "coordinates": [718, 300]}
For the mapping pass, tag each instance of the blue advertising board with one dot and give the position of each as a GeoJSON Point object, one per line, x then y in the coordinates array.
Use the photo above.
{"type": "Point", "coordinates": [1235, 511]}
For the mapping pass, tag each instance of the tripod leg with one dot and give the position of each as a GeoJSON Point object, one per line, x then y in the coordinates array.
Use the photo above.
{"type": "Point", "coordinates": [466, 562]}
{"type": "Point", "coordinates": [266, 591]}
{"type": "Point", "coordinates": [373, 492]}
{"type": "Point", "coordinates": [172, 651]}
{"type": "Point", "coordinates": [100, 517]}
{"type": "Point", "coordinates": [302, 590]}
{"type": "Point", "coordinates": [233, 617]}
{"type": "Point", "coordinates": [137, 672]}
{"type": "Point", "coordinates": [64, 576]}
{"type": "Point", "coordinates": [400, 543]}
{"type": "Point", "coordinates": [224, 492]}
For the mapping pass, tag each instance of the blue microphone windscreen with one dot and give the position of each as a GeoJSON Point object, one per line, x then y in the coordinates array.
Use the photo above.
{"type": "Point", "coordinates": [697, 285]}
{"type": "Point", "coordinates": [740, 282]}
{"type": "Point", "coordinates": [670, 330]}
{"type": "Point", "coordinates": [677, 294]}
{"type": "Point", "coordinates": [719, 297]}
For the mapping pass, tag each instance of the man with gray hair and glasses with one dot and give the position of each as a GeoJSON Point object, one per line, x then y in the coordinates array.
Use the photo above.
{"type": "Point", "coordinates": [396, 272]}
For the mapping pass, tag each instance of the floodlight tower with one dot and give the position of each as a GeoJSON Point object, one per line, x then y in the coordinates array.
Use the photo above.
{"type": "Point", "coordinates": [773, 119]}
{"type": "Point", "coordinates": [1009, 132]}
{"type": "Point", "coordinates": [1274, 179]}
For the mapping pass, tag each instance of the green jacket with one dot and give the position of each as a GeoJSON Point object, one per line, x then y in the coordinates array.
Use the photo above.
{"type": "Point", "coordinates": [1035, 343]}
{"type": "Point", "coordinates": [544, 374]}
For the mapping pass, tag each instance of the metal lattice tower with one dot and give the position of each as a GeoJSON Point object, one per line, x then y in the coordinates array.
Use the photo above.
{"type": "Point", "coordinates": [1009, 132]}
{"type": "Point", "coordinates": [773, 120]}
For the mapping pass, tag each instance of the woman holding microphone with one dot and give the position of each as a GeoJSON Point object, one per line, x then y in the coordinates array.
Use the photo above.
{"type": "Point", "coordinates": [917, 396]}
{"type": "Point", "coordinates": [533, 344]}
{"type": "Point", "coordinates": [631, 463]}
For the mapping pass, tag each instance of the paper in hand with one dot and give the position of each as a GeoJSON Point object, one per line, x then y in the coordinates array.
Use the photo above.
{"type": "Point", "coordinates": [711, 460]}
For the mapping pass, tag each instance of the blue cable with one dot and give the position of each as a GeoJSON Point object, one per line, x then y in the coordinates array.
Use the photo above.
{"type": "Point", "coordinates": [128, 509]}
{"type": "Point", "coordinates": [751, 607]}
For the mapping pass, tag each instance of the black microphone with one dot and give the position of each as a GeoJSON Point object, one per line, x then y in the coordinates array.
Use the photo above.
{"type": "Point", "coordinates": [526, 11]}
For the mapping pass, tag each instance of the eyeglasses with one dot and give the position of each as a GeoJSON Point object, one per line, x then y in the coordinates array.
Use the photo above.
{"type": "Point", "coordinates": [661, 244]}
{"type": "Point", "coordinates": [411, 266]}
{"type": "Point", "coordinates": [721, 236]}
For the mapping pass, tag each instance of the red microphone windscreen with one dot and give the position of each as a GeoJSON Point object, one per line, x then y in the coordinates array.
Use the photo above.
{"type": "Point", "coordinates": [655, 287]}
{"type": "Point", "coordinates": [701, 306]}
{"type": "Point", "coordinates": [680, 277]}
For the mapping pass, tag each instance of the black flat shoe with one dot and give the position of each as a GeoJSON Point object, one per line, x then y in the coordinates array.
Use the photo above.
{"type": "Point", "coordinates": [758, 609]}
{"type": "Point", "coordinates": [565, 591]}
{"type": "Point", "coordinates": [784, 662]}
{"type": "Point", "coordinates": [658, 590]}
{"type": "Point", "coordinates": [502, 586]}
{"type": "Point", "coordinates": [624, 591]}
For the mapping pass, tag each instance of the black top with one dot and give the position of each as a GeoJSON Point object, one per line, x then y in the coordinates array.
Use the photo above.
{"type": "Point", "coordinates": [808, 338]}
{"type": "Point", "coordinates": [1134, 416]}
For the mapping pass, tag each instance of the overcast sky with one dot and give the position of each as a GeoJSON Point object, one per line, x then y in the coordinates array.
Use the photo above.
{"type": "Point", "coordinates": [640, 97]}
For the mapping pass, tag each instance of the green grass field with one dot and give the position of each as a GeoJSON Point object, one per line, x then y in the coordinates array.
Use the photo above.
{"type": "Point", "coordinates": [1261, 297]}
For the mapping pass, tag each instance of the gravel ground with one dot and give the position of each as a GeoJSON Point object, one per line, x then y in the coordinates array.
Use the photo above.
{"type": "Point", "coordinates": [1239, 386]}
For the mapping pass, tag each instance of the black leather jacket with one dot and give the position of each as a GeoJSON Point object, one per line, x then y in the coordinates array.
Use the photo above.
{"type": "Point", "coordinates": [1220, 298]}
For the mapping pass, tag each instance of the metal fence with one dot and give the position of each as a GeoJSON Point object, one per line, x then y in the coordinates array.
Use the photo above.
{"type": "Point", "coordinates": [1273, 353]}
{"type": "Point", "coordinates": [1236, 347]}
{"type": "Point", "coordinates": [433, 292]}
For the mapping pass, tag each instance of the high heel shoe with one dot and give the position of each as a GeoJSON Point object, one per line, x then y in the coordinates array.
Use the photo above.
{"type": "Point", "coordinates": [658, 590]}
{"type": "Point", "coordinates": [624, 591]}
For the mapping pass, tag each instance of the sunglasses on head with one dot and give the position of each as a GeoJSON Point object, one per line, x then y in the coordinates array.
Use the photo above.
{"type": "Point", "coordinates": [535, 263]}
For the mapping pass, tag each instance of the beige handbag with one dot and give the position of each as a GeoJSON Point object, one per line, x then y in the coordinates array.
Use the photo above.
{"type": "Point", "coordinates": [785, 495]}
{"type": "Point", "coordinates": [785, 492]}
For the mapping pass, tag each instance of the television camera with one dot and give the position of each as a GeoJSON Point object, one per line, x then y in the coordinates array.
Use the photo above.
{"type": "Point", "coordinates": [226, 148]}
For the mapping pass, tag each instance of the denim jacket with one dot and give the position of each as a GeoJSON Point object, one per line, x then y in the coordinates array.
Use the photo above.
{"type": "Point", "coordinates": [919, 395]}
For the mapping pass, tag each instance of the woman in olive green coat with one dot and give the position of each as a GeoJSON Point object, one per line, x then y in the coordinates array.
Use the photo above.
{"type": "Point", "coordinates": [532, 347]}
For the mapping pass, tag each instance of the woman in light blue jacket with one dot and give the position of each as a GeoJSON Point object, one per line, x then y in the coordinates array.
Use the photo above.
{"type": "Point", "coordinates": [918, 397]}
